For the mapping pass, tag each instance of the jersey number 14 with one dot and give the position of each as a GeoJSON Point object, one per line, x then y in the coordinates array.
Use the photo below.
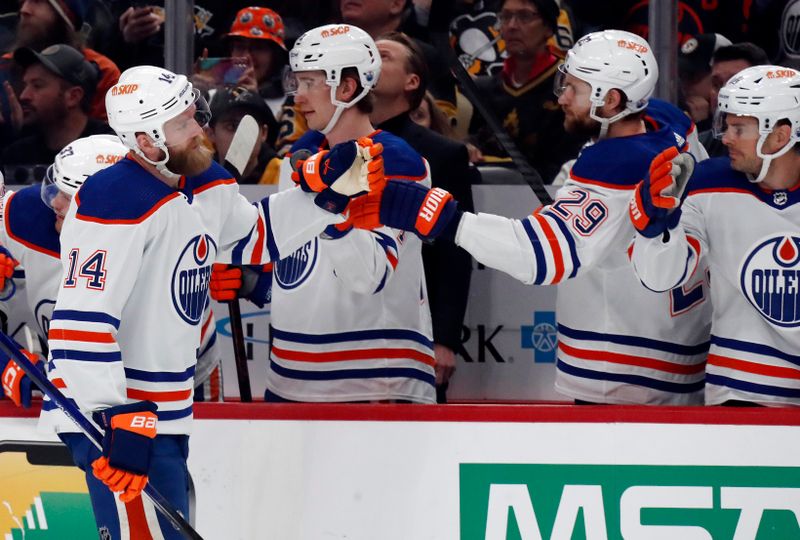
{"type": "Point", "coordinates": [93, 269]}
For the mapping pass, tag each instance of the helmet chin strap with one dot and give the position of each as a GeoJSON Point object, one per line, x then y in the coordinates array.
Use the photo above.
{"type": "Point", "coordinates": [606, 122]}
{"type": "Point", "coordinates": [766, 159]}
{"type": "Point", "coordinates": [340, 107]}
{"type": "Point", "coordinates": [161, 166]}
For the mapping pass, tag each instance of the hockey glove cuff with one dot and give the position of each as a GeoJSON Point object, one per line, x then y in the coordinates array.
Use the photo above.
{"type": "Point", "coordinates": [7, 265]}
{"type": "Point", "coordinates": [16, 385]}
{"type": "Point", "coordinates": [129, 433]}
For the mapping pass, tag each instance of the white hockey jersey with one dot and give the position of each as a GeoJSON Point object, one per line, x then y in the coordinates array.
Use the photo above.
{"type": "Point", "coordinates": [27, 230]}
{"type": "Point", "coordinates": [350, 315]}
{"type": "Point", "coordinates": [618, 342]}
{"type": "Point", "coordinates": [137, 258]}
{"type": "Point", "coordinates": [750, 237]}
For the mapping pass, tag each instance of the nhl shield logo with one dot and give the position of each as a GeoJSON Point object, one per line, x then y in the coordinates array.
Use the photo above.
{"type": "Point", "coordinates": [292, 271]}
{"type": "Point", "coordinates": [780, 198]}
{"type": "Point", "coordinates": [191, 277]}
{"type": "Point", "coordinates": [770, 279]}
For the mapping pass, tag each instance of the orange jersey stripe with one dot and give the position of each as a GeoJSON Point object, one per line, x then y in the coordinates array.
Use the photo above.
{"type": "Point", "coordinates": [137, 522]}
{"type": "Point", "coordinates": [145, 395]}
{"type": "Point", "coordinates": [558, 257]}
{"type": "Point", "coordinates": [80, 335]}
{"type": "Point", "coordinates": [752, 367]}
{"type": "Point", "coordinates": [356, 354]}
{"type": "Point", "coordinates": [628, 360]}
{"type": "Point", "coordinates": [259, 247]}
{"type": "Point", "coordinates": [215, 183]}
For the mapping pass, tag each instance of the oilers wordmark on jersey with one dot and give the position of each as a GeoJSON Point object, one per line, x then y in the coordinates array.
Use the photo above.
{"type": "Point", "coordinates": [769, 279]}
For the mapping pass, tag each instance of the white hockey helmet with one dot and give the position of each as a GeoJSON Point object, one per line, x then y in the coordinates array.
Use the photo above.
{"type": "Point", "coordinates": [767, 93]}
{"type": "Point", "coordinates": [332, 48]}
{"type": "Point", "coordinates": [144, 99]}
{"type": "Point", "coordinates": [78, 161]}
{"type": "Point", "coordinates": [612, 59]}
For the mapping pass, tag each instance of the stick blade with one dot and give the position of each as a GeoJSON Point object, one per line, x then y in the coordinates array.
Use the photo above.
{"type": "Point", "coordinates": [241, 147]}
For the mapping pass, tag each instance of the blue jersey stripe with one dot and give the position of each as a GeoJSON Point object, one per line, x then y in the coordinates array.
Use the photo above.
{"type": "Point", "coordinates": [382, 284]}
{"type": "Point", "coordinates": [541, 265]}
{"type": "Point", "coordinates": [573, 251]}
{"type": "Point", "coordinates": [339, 374]}
{"type": "Point", "coordinates": [638, 380]}
{"type": "Point", "coordinates": [755, 388]}
{"type": "Point", "coordinates": [272, 247]}
{"type": "Point", "coordinates": [211, 341]}
{"type": "Point", "coordinates": [174, 415]}
{"type": "Point", "coordinates": [756, 348]}
{"type": "Point", "coordinates": [85, 356]}
{"type": "Point", "coordinates": [159, 376]}
{"type": "Point", "coordinates": [85, 316]}
{"type": "Point", "coordinates": [356, 335]}
{"type": "Point", "coordinates": [634, 341]}
{"type": "Point", "coordinates": [385, 241]}
{"type": "Point", "coordinates": [238, 249]}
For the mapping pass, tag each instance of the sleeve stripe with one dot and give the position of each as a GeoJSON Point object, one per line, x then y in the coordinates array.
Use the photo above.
{"type": "Point", "coordinates": [85, 356]}
{"type": "Point", "coordinates": [555, 248]}
{"type": "Point", "coordinates": [272, 247]}
{"type": "Point", "coordinates": [85, 316]}
{"type": "Point", "coordinates": [236, 254]}
{"type": "Point", "coordinates": [573, 252]}
{"type": "Point", "coordinates": [78, 335]}
{"type": "Point", "coordinates": [541, 263]}
{"type": "Point", "coordinates": [258, 248]}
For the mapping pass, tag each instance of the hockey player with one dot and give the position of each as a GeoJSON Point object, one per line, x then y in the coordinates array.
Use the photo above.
{"type": "Point", "coordinates": [30, 228]}
{"type": "Point", "coordinates": [618, 341]}
{"type": "Point", "coordinates": [370, 337]}
{"type": "Point", "coordinates": [137, 246]}
{"type": "Point", "coordinates": [742, 213]}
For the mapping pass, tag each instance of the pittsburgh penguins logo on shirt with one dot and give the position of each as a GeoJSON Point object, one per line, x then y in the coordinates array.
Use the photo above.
{"type": "Point", "coordinates": [292, 271]}
{"type": "Point", "coordinates": [191, 277]}
{"type": "Point", "coordinates": [770, 279]}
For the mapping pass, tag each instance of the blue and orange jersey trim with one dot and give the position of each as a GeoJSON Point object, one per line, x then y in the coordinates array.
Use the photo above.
{"type": "Point", "coordinates": [32, 223]}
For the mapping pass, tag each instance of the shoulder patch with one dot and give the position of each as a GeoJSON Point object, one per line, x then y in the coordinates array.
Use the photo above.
{"type": "Point", "coordinates": [123, 193]}
{"type": "Point", "coordinates": [621, 162]}
{"type": "Point", "coordinates": [31, 222]}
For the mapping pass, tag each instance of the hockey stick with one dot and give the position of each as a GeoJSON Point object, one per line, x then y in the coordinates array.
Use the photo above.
{"type": "Point", "coordinates": [11, 348]}
{"type": "Point", "coordinates": [471, 92]}
{"type": "Point", "coordinates": [244, 139]}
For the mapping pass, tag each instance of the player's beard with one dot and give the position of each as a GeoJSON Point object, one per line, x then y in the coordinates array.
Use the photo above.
{"type": "Point", "coordinates": [584, 127]}
{"type": "Point", "coordinates": [190, 161]}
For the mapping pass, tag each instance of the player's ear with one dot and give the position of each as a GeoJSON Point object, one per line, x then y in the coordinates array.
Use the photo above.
{"type": "Point", "coordinates": [346, 89]}
{"type": "Point", "coordinates": [615, 100]}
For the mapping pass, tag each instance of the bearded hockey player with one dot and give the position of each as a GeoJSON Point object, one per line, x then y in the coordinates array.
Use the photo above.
{"type": "Point", "coordinates": [137, 245]}
{"type": "Point", "coordinates": [742, 214]}
{"type": "Point", "coordinates": [619, 342]}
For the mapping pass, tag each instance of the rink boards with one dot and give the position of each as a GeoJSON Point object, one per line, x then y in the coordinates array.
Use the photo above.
{"type": "Point", "coordinates": [398, 472]}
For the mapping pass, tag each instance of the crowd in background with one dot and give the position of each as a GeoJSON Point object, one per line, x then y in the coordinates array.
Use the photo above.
{"type": "Point", "coordinates": [61, 56]}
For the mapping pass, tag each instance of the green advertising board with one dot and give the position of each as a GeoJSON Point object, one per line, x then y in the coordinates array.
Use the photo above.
{"type": "Point", "coordinates": [634, 502]}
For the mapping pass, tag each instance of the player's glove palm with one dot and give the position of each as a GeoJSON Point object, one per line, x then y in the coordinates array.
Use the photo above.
{"type": "Point", "coordinates": [230, 282]}
{"type": "Point", "coordinates": [16, 385]}
{"type": "Point", "coordinates": [127, 444]}
{"type": "Point", "coordinates": [349, 169]}
{"type": "Point", "coordinates": [408, 206]}
{"type": "Point", "coordinates": [655, 206]}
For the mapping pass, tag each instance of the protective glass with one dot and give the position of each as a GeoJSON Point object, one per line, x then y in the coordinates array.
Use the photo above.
{"type": "Point", "coordinates": [561, 85]}
{"type": "Point", "coordinates": [735, 126]}
{"type": "Point", "coordinates": [301, 82]}
{"type": "Point", "coordinates": [188, 125]}
{"type": "Point", "coordinates": [49, 190]}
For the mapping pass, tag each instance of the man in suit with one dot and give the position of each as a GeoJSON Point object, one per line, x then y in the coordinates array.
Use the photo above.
{"type": "Point", "coordinates": [399, 91]}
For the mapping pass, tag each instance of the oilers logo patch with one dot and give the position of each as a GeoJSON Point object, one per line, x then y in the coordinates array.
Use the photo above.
{"type": "Point", "coordinates": [770, 279]}
{"type": "Point", "coordinates": [292, 271]}
{"type": "Point", "coordinates": [191, 277]}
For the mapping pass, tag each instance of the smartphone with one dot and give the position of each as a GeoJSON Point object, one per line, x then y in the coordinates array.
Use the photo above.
{"type": "Point", "coordinates": [43, 494]}
{"type": "Point", "coordinates": [223, 71]}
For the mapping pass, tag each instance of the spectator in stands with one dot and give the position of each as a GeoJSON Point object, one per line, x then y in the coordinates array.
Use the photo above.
{"type": "Point", "coordinates": [521, 95]}
{"type": "Point", "coordinates": [58, 86]}
{"type": "Point", "coordinates": [725, 63]}
{"type": "Point", "coordinates": [378, 17]}
{"type": "Point", "coordinates": [429, 115]}
{"type": "Point", "coordinates": [257, 34]}
{"type": "Point", "coordinates": [228, 106]}
{"type": "Point", "coordinates": [401, 90]}
{"type": "Point", "coordinates": [45, 23]}
{"type": "Point", "coordinates": [694, 74]}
